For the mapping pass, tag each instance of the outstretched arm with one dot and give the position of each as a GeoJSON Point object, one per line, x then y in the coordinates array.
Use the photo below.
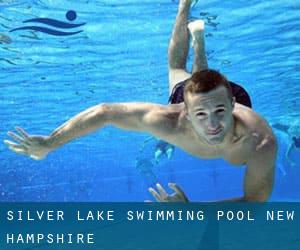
{"type": "Point", "coordinates": [145, 117]}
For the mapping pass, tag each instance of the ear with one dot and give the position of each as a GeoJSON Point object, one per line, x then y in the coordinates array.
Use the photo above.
{"type": "Point", "coordinates": [233, 101]}
{"type": "Point", "coordinates": [186, 113]}
{"type": "Point", "coordinates": [188, 116]}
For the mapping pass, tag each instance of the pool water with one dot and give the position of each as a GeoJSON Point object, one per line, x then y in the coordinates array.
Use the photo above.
{"type": "Point", "coordinates": [120, 56]}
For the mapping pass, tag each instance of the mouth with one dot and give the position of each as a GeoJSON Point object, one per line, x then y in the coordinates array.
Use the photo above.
{"type": "Point", "coordinates": [215, 131]}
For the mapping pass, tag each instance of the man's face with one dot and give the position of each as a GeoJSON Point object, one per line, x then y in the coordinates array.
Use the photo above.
{"type": "Point", "coordinates": [210, 114]}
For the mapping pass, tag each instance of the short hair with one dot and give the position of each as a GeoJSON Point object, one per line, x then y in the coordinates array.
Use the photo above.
{"type": "Point", "coordinates": [205, 81]}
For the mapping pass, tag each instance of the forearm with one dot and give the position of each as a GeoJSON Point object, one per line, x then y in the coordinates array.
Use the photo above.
{"type": "Point", "coordinates": [128, 116]}
{"type": "Point", "coordinates": [81, 124]}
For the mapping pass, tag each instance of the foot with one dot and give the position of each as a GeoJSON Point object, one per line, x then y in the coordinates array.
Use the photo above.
{"type": "Point", "coordinates": [185, 3]}
{"type": "Point", "coordinates": [189, 2]}
{"type": "Point", "coordinates": [196, 29]}
{"type": "Point", "coordinates": [196, 26]}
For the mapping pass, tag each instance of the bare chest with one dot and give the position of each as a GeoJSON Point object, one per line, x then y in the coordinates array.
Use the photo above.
{"type": "Point", "coordinates": [235, 153]}
{"type": "Point", "coordinates": [238, 153]}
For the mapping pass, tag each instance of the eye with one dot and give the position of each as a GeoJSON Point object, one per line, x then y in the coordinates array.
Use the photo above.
{"type": "Point", "coordinates": [201, 114]}
{"type": "Point", "coordinates": [220, 111]}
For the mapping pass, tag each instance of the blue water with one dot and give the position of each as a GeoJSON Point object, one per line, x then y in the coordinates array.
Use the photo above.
{"type": "Point", "coordinates": [120, 56]}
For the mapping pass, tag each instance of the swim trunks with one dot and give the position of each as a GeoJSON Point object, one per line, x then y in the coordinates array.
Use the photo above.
{"type": "Point", "coordinates": [240, 94]}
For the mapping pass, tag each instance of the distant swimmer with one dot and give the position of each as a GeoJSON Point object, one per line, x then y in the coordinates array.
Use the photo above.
{"type": "Point", "coordinates": [208, 117]}
{"type": "Point", "coordinates": [145, 169]}
{"type": "Point", "coordinates": [292, 129]}
{"type": "Point", "coordinates": [161, 149]}
{"type": "Point", "coordinates": [146, 161]}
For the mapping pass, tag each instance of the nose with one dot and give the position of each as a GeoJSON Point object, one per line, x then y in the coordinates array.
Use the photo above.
{"type": "Point", "coordinates": [213, 123]}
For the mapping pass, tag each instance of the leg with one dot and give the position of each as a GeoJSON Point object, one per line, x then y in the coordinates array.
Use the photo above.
{"type": "Point", "coordinates": [179, 46]}
{"type": "Point", "coordinates": [196, 29]}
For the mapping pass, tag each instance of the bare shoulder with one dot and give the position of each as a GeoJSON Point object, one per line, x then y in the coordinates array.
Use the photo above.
{"type": "Point", "coordinates": [166, 118]}
{"type": "Point", "coordinates": [254, 127]}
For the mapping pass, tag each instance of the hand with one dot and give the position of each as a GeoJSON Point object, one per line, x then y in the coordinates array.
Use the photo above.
{"type": "Point", "coordinates": [163, 196]}
{"type": "Point", "coordinates": [33, 146]}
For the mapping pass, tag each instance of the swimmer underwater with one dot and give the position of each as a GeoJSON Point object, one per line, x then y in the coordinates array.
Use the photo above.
{"type": "Point", "coordinates": [208, 117]}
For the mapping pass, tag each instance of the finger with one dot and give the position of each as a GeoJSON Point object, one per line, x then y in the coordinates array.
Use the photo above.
{"type": "Point", "coordinates": [9, 143]}
{"type": "Point", "coordinates": [177, 189]}
{"type": "Point", "coordinates": [161, 190]}
{"type": "Point", "coordinates": [23, 133]}
{"type": "Point", "coordinates": [12, 144]}
{"type": "Point", "coordinates": [154, 194]}
{"type": "Point", "coordinates": [18, 150]}
{"type": "Point", "coordinates": [16, 137]}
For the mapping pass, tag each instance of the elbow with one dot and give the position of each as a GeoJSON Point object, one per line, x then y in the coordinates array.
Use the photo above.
{"type": "Point", "coordinates": [94, 117]}
{"type": "Point", "coordinates": [103, 110]}
{"type": "Point", "coordinates": [104, 107]}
